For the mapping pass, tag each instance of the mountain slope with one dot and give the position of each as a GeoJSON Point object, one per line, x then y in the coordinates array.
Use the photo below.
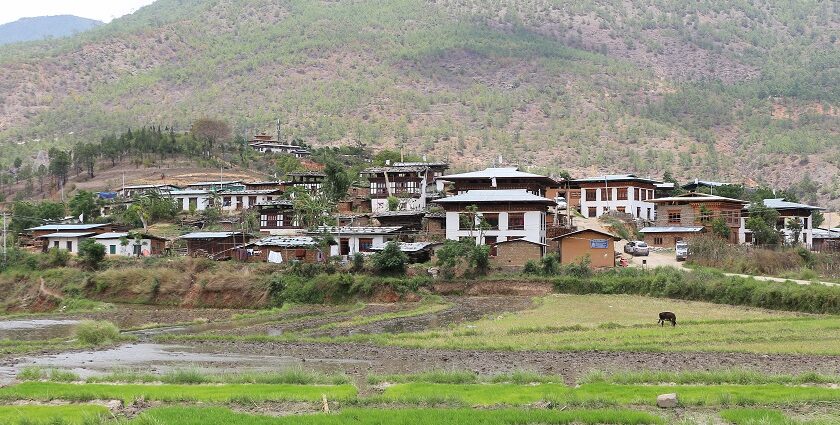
{"type": "Point", "coordinates": [731, 90]}
{"type": "Point", "coordinates": [38, 28]}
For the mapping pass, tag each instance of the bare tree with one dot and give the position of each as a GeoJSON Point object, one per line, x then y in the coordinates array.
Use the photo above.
{"type": "Point", "coordinates": [210, 132]}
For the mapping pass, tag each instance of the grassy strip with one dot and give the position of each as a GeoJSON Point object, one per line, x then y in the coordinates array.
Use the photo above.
{"type": "Point", "coordinates": [196, 416]}
{"type": "Point", "coordinates": [193, 377]}
{"type": "Point", "coordinates": [606, 394]}
{"type": "Point", "coordinates": [46, 391]}
{"type": "Point", "coordinates": [427, 306]}
{"type": "Point", "coordinates": [740, 377]}
{"type": "Point", "coordinates": [35, 373]}
{"type": "Point", "coordinates": [48, 415]}
{"type": "Point", "coordinates": [464, 377]}
{"type": "Point", "coordinates": [16, 346]}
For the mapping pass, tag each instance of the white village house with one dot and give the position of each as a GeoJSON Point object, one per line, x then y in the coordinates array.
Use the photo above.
{"type": "Point", "coordinates": [350, 240]}
{"type": "Point", "coordinates": [788, 211]}
{"type": "Point", "coordinates": [625, 193]}
{"type": "Point", "coordinates": [130, 245]}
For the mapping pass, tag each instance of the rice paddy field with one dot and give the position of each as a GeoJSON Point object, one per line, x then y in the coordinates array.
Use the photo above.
{"type": "Point", "coordinates": [558, 359]}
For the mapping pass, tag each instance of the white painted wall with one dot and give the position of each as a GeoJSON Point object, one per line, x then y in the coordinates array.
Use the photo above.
{"type": "Point", "coordinates": [406, 204]}
{"type": "Point", "coordinates": [125, 251]}
{"type": "Point", "coordinates": [806, 236]}
{"type": "Point", "coordinates": [354, 242]}
{"type": "Point", "coordinates": [62, 244]}
{"type": "Point", "coordinates": [534, 229]}
{"type": "Point", "coordinates": [631, 203]}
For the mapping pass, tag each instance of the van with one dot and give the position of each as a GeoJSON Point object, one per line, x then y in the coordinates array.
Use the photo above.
{"type": "Point", "coordinates": [682, 251]}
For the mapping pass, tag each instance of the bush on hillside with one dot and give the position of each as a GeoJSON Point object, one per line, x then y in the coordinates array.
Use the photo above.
{"type": "Point", "coordinates": [97, 332]}
{"type": "Point", "coordinates": [391, 260]}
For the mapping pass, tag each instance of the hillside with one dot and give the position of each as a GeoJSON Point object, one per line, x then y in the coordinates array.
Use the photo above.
{"type": "Point", "coordinates": [730, 90]}
{"type": "Point", "coordinates": [41, 27]}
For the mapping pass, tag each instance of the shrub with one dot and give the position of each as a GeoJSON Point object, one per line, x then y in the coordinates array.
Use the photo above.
{"type": "Point", "coordinates": [531, 267]}
{"type": "Point", "coordinates": [91, 254]}
{"type": "Point", "coordinates": [391, 260]}
{"type": "Point", "coordinates": [92, 332]}
{"type": "Point", "coordinates": [56, 258]}
{"type": "Point", "coordinates": [550, 264]}
{"type": "Point", "coordinates": [358, 262]}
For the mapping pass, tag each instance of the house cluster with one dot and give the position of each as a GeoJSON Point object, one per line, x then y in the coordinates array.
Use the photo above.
{"type": "Point", "coordinates": [521, 216]}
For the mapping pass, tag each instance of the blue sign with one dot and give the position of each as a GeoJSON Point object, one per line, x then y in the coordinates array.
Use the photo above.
{"type": "Point", "coordinates": [599, 243]}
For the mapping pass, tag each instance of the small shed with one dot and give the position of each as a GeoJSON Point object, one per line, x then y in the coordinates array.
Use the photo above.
{"type": "Point", "coordinates": [597, 245]}
{"type": "Point", "coordinates": [131, 244]}
{"type": "Point", "coordinates": [517, 252]}
{"type": "Point", "coordinates": [417, 252]}
{"type": "Point", "coordinates": [215, 245]}
{"type": "Point", "coordinates": [282, 249]}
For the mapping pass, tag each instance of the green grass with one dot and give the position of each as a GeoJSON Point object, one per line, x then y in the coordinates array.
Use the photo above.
{"type": "Point", "coordinates": [771, 417]}
{"type": "Point", "coordinates": [35, 373]}
{"type": "Point", "coordinates": [45, 391]}
{"type": "Point", "coordinates": [49, 415]}
{"type": "Point", "coordinates": [627, 323]}
{"type": "Point", "coordinates": [465, 377]}
{"type": "Point", "coordinates": [428, 306]}
{"type": "Point", "coordinates": [697, 395]}
{"type": "Point", "coordinates": [196, 416]}
{"type": "Point", "coordinates": [97, 332]}
{"type": "Point", "coordinates": [740, 377]}
{"type": "Point", "coordinates": [193, 376]}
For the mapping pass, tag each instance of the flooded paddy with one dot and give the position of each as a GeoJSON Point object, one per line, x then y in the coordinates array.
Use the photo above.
{"type": "Point", "coordinates": [36, 329]}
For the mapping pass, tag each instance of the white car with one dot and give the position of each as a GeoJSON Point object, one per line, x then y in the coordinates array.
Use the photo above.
{"type": "Point", "coordinates": [682, 251]}
{"type": "Point", "coordinates": [637, 248]}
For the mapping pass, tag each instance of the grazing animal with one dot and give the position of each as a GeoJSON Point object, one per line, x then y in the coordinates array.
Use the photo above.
{"type": "Point", "coordinates": [667, 316]}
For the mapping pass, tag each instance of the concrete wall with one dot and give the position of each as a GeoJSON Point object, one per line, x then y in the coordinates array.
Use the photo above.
{"type": "Point", "coordinates": [354, 243]}
{"type": "Point", "coordinates": [534, 229]}
{"type": "Point", "coordinates": [631, 203]}
{"type": "Point", "coordinates": [149, 246]}
{"type": "Point", "coordinates": [62, 244]}
{"type": "Point", "coordinates": [575, 247]}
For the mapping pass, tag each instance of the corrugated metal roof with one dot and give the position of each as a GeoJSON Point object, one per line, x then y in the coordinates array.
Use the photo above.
{"type": "Point", "coordinates": [820, 233]}
{"type": "Point", "coordinates": [188, 192]}
{"type": "Point", "coordinates": [287, 241]}
{"type": "Point", "coordinates": [501, 195]}
{"type": "Point", "coordinates": [361, 230]}
{"type": "Point", "coordinates": [118, 235]}
{"type": "Point", "coordinates": [707, 183]}
{"type": "Point", "coordinates": [671, 229]}
{"type": "Point", "coordinates": [401, 213]}
{"type": "Point", "coordinates": [489, 173]}
{"type": "Point", "coordinates": [616, 177]}
{"type": "Point", "coordinates": [215, 183]}
{"type": "Point", "coordinates": [404, 246]}
{"type": "Point", "coordinates": [68, 235]}
{"type": "Point", "coordinates": [210, 235]}
{"type": "Point", "coordinates": [60, 227]}
{"type": "Point", "coordinates": [781, 204]}
{"type": "Point", "coordinates": [249, 192]}
{"type": "Point", "coordinates": [696, 197]}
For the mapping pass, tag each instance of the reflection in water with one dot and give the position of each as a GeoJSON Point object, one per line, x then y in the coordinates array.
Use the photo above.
{"type": "Point", "coordinates": [32, 330]}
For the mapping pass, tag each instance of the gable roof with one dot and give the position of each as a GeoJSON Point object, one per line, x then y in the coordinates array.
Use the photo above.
{"type": "Point", "coordinates": [495, 172]}
{"type": "Point", "coordinates": [406, 246]}
{"type": "Point", "coordinates": [498, 196]}
{"type": "Point", "coordinates": [67, 235]}
{"type": "Point", "coordinates": [211, 235]}
{"type": "Point", "coordinates": [352, 230]}
{"type": "Point", "coordinates": [577, 232]}
{"type": "Point", "coordinates": [672, 229]}
{"type": "Point", "coordinates": [287, 241]}
{"type": "Point", "coordinates": [118, 235]}
{"type": "Point", "coordinates": [60, 227]}
{"type": "Point", "coordinates": [616, 178]}
{"type": "Point", "coordinates": [781, 204]}
{"type": "Point", "coordinates": [696, 197]}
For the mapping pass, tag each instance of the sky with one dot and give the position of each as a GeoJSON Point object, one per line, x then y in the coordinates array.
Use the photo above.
{"type": "Point", "coordinates": [102, 10]}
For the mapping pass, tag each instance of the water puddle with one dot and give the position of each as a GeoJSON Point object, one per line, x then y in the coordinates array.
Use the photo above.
{"type": "Point", "coordinates": [39, 329]}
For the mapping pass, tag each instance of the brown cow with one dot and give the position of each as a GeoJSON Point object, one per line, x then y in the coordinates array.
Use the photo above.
{"type": "Point", "coordinates": [667, 316]}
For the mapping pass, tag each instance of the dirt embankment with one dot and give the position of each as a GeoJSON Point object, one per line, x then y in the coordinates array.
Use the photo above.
{"type": "Point", "coordinates": [494, 287]}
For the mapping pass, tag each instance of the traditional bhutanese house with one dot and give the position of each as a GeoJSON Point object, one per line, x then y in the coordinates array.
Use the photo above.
{"type": "Point", "coordinates": [192, 199]}
{"type": "Point", "coordinates": [413, 183]}
{"type": "Point", "coordinates": [350, 240]}
{"type": "Point", "coordinates": [597, 245]}
{"type": "Point", "coordinates": [230, 186]}
{"type": "Point", "coordinates": [282, 249]}
{"type": "Point", "coordinates": [697, 184]}
{"type": "Point", "coordinates": [64, 240]}
{"type": "Point", "coordinates": [408, 220]}
{"type": "Point", "coordinates": [625, 193]}
{"type": "Point", "coordinates": [309, 181]}
{"type": "Point", "coordinates": [131, 244]}
{"type": "Point", "coordinates": [682, 214]}
{"type": "Point", "coordinates": [500, 178]}
{"type": "Point", "coordinates": [215, 245]}
{"type": "Point", "coordinates": [95, 228]}
{"type": "Point", "coordinates": [504, 213]}
{"type": "Point", "coordinates": [825, 240]}
{"type": "Point", "coordinates": [514, 253]}
{"type": "Point", "coordinates": [668, 236]}
{"type": "Point", "coordinates": [417, 252]}
{"type": "Point", "coordinates": [264, 185]}
{"type": "Point", "coordinates": [134, 191]}
{"type": "Point", "coordinates": [277, 217]}
{"type": "Point", "coordinates": [240, 200]}
{"type": "Point", "coordinates": [266, 143]}
{"type": "Point", "coordinates": [788, 212]}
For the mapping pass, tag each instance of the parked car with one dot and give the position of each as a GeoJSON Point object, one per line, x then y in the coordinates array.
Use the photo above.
{"type": "Point", "coordinates": [682, 251]}
{"type": "Point", "coordinates": [561, 202]}
{"type": "Point", "coordinates": [637, 248]}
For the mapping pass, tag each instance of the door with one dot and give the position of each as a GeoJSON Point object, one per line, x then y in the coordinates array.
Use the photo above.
{"type": "Point", "coordinates": [344, 246]}
{"type": "Point", "coordinates": [491, 241]}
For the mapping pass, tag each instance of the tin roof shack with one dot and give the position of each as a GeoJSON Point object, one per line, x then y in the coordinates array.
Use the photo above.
{"type": "Point", "coordinates": [826, 240]}
{"type": "Point", "coordinates": [282, 249]}
{"type": "Point", "coordinates": [350, 240]}
{"type": "Point", "coordinates": [788, 212]}
{"type": "Point", "coordinates": [683, 213]}
{"type": "Point", "coordinates": [668, 236]}
{"type": "Point", "coordinates": [625, 193]}
{"type": "Point", "coordinates": [413, 183]}
{"type": "Point", "coordinates": [417, 252]}
{"type": "Point", "coordinates": [131, 244]}
{"type": "Point", "coordinates": [64, 240]}
{"type": "Point", "coordinates": [507, 214]}
{"type": "Point", "coordinates": [514, 253]}
{"type": "Point", "coordinates": [214, 245]}
{"type": "Point", "coordinates": [277, 217]}
{"type": "Point", "coordinates": [598, 246]}
{"type": "Point", "coordinates": [137, 190]}
{"type": "Point", "coordinates": [500, 178]}
{"type": "Point", "coordinates": [266, 143]}
{"type": "Point", "coordinates": [234, 201]}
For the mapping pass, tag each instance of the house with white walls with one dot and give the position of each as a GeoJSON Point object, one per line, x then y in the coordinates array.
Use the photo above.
{"type": "Point", "coordinates": [192, 199]}
{"type": "Point", "coordinates": [500, 215]}
{"type": "Point", "coordinates": [126, 244]}
{"type": "Point", "coordinates": [625, 193]}
{"type": "Point", "coordinates": [788, 212]}
{"type": "Point", "coordinates": [350, 240]}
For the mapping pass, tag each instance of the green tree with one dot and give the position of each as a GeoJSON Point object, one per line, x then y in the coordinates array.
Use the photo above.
{"type": "Point", "coordinates": [91, 254]}
{"type": "Point", "coordinates": [391, 260]}
{"type": "Point", "coordinates": [795, 227]}
{"type": "Point", "coordinates": [393, 203]}
{"type": "Point", "coordinates": [312, 210]}
{"type": "Point", "coordinates": [762, 222]}
{"type": "Point", "coordinates": [84, 202]}
{"type": "Point", "coordinates": [720, 228]}
{"type": "Point", "coordinates": [59, 166]}
{"type": "Point", "coordinates": [817, 218]}
{"type": "Point", "coordinates": [337, 181]}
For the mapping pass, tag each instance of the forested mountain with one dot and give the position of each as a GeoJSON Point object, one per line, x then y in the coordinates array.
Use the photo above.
{"type": "Point", "coordinates": [38, 28]}
{"type": "Point", "coordinates": [741, 90]}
